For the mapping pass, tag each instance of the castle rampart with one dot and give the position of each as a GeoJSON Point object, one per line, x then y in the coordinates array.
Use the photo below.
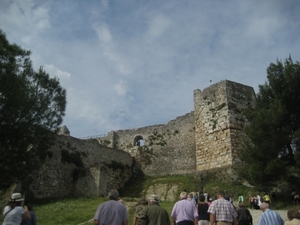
{"type": "Point", "coordinates": [82, 168]}
{"type": "Point", "coordinates": [205, 139]}
{"type": "Point", "coordinates": [219, 123]}
{"type": "Point", "coordinates": [163, 149]}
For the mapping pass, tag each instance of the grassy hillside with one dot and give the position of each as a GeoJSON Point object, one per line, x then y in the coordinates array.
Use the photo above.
{"type": "Point", "coordinates": [138, 187]}
{"type": "Point", "coordinates": [75, 211]}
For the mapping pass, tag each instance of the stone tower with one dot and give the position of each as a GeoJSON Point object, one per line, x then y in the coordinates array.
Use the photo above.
{"type": "Point", "coordinates": [219, 122]}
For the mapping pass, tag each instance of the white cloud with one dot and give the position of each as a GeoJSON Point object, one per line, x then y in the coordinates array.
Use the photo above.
{"type": "Point", "coordinates": [120, 89]}
{"type": "Point", "coordinates": [53, 71]}
{"type": "Point", "coordinates": [27, 19]}
{"type": "Point", "coordinates": [263, 29]}
{"type": "Point", "coordinates": [26, 40]}
{"type": "Point", "coordinates": [109, 50]}
{"type": "Point", "coordinates": [104, 34]}
{"type": "Point", "coordinates": [158, 24]}
{"type": "Point", "coordinates": [104, 4]}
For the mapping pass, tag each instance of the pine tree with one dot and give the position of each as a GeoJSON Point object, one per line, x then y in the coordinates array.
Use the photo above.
{"type": "Point", "coordinates": [271, 149]}
{"type": "Point", "coordinates": [32, 106]}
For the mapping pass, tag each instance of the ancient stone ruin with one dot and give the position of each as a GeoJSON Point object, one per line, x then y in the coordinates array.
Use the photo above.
{"type": "Point", "coordinates": [204, 139]}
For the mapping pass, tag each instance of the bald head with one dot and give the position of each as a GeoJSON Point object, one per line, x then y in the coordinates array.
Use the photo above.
{"type": "Point", "coordinates": [264, 206]}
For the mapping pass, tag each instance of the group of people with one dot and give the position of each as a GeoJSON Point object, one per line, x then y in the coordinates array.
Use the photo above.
{"type": "Point", "coordinates": [254, 201]}
{"type": "Point", "coordinates": [16, 214]}
{"type": "Point", "coordinates": [186, 211]}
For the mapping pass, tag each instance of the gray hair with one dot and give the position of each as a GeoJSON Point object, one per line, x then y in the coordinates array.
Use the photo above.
{"type": "Point", "coordinates": [183, 195]}
{"type": "Point", "coordinates": [113, 194]}
{"type": "Point", "coordinates": [191, 195]}
{"type": "Point", "coordinates": [153, 199]}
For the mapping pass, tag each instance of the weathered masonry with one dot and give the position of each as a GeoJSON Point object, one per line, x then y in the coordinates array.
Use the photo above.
{"type": "Point", "coordinates": [219, 123]}
{"type": "Point", "coordinates": [81, 168]}
{"type": "Point", "coordinates": [205, 139]}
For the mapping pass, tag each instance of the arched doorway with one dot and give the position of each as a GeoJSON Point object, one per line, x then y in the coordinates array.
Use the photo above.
{"type": "Point", "coordinates": [138, 141]}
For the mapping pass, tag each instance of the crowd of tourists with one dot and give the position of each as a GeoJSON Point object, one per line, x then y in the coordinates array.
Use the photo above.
{"type": "Point", "coordinates": [194, 208]}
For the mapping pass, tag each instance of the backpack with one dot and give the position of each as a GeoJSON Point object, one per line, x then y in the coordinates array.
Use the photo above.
{"type": "Point", "coordinates": [140, 211]}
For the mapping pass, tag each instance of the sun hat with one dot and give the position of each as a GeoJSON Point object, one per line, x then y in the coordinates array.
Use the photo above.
{"type": "Point", "coordinates": [16, 197]}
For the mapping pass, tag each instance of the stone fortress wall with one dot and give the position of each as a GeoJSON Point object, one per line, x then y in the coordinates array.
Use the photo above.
{"type": "Point", "coordinates": [219, 123]}
{"type": "Point", "coordinates": [165, 149]}
{"type": "Point", "coordinates": [205, 139]}
{"type": "Point", "coordinates": [81, 168]}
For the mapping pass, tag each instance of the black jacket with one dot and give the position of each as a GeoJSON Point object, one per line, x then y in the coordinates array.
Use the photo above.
{"type": "Point", "coordinates": [244, 214]}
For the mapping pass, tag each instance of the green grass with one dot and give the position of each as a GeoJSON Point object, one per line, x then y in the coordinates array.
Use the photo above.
{"type": "Point", "coordinates": [75, 211]}
{"type": "Point", "coordinates": [67, 211]}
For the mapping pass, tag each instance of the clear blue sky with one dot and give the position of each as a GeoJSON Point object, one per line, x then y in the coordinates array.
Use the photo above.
{"type": "Point", "coordinates": [128, 64]}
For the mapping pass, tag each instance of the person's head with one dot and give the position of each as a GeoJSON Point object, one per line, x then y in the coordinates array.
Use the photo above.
{"type": "Point", "coordinates": [293, 214]}
{"type": "Point", "coordinates": [153, 199]}
{"type": "Point", "coordinates": [142, 201]}
{"type": "Point", "coordinates": [264, 206]}
{"type": "Point", "coordinates": [201, 198]}
{"type": "Point", "coordinates": [183, 195]}
{"type": "Point", "coordinates": [241, 204]}
{"type": "Point", "coordinates": [221, 194]}
{"type": "Point", "coordinates": [113, 194]}
{"type": "Point", "coordinates": [227, 197]}
{"type": "Point", "coordinates": [190, 195]}
{"type": "Point", "coordinates": [16, 199]}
